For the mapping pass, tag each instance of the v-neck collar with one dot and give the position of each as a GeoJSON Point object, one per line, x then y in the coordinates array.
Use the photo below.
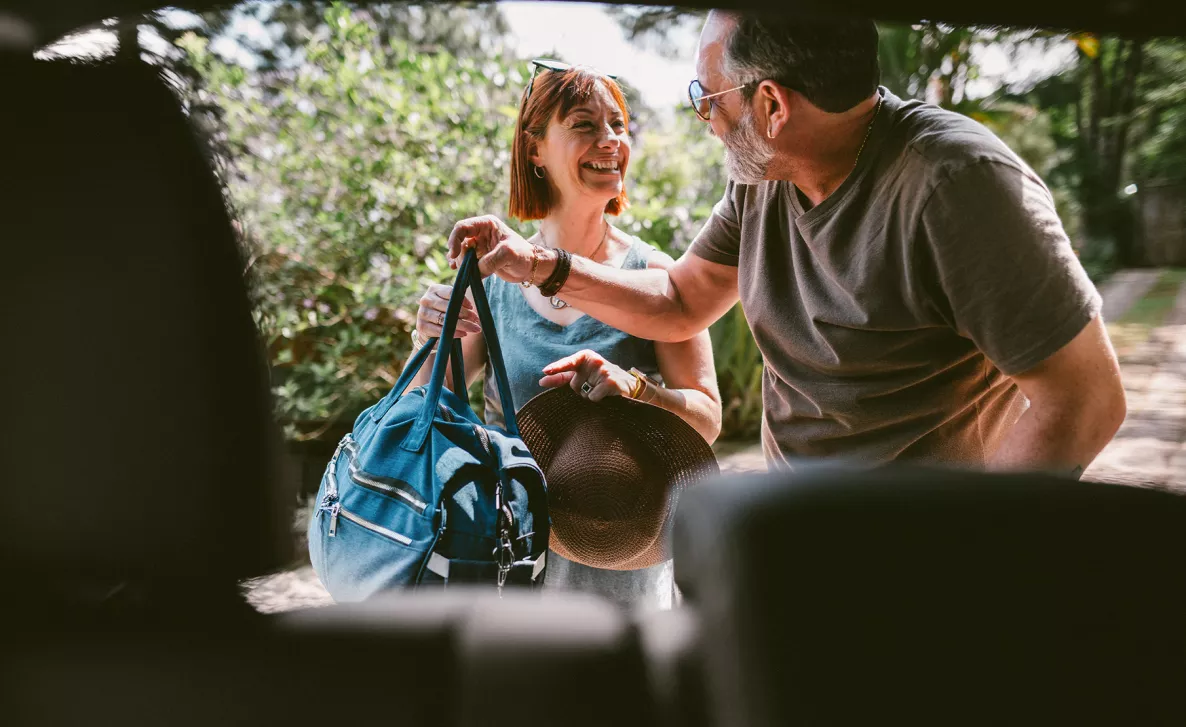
{"type": "Point", "coordinates": [882, 124]}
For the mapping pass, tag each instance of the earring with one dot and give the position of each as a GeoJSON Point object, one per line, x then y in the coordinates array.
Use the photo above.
{"type": "Point", "coordinates": [539, 172]}
{"type": "Point", "coordinates": [770, 132]}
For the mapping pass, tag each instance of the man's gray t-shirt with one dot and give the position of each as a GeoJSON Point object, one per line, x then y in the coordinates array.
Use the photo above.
{"type": "Point", "coordinates": [892, 315]}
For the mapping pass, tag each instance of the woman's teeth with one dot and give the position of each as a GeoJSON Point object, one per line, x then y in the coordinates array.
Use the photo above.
{"type": "Point", "coordinates": [603, 166]}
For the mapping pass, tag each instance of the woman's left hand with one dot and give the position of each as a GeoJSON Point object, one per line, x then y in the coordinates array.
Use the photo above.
{"type": "Point", "coordinates": [589, 367]}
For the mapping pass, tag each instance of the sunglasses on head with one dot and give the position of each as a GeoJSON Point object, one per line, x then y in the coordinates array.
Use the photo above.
{"type": "Point", "coordinates": [548, 64]}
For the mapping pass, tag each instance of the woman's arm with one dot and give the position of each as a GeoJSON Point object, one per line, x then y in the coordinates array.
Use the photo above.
{"type": "Point", "coordinates": [689, 377]}
{"type": "Point", "coordinates": [690, 384]}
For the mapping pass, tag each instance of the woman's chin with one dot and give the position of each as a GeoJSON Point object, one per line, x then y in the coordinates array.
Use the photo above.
{"type": "Point", "coordinates": [606, 191]}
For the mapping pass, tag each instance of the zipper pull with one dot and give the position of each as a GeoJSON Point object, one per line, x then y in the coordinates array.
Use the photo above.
{"type": "Point", "coordinates": [333, 519]}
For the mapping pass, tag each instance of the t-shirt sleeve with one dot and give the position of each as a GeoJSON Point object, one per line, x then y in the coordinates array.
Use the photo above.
{"type": "Point", "coordinates": [1006, 270]}
{"type": "Point", "coordinates": [720, 239]}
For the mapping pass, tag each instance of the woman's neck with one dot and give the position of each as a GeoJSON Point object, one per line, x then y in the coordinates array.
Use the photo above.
{"type": "Point", "coordinates": [580, 231]}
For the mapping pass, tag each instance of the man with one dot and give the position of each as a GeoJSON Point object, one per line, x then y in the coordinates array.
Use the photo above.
{"type": "Point", "coordinates": [904, 273]}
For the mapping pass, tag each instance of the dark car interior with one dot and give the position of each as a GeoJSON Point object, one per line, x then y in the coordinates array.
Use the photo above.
{"type": "Point", "coordinates": [142, 485]}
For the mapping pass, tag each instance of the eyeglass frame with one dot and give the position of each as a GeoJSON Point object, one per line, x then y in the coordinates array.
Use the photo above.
{"type": "Point", "coordinates": [549, 64]}
{"type": "Point", "coordinates": [696, 106]}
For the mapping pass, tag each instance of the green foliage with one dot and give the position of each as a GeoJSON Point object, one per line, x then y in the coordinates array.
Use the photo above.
{"type": "Point", "coordinates": [739, 367]}
{"type": "Point", "coordinates": [350, 170]}
{"type": "Point", "coordinates": [1160, 153]}
{"type": "Point", "coordinates": [676, 176]}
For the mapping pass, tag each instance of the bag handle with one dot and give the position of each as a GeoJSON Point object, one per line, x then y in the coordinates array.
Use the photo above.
{"type": "Point", "coordinates": [415, 363]}
{"type": "Point", "coordinates": [469, 276]}
{"type": "Point", "coordinates": [482, 303]}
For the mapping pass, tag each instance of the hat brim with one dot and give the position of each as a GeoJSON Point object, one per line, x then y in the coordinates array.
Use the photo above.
{"type": "Point", "coordinates": [615, 470]}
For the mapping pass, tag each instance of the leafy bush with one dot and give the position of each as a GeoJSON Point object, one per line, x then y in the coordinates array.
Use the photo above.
{"type": "Point", "coordinates": [349, 172]}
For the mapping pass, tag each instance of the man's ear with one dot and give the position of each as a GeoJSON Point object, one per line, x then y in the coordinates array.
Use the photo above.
{"type": "Point", "coordinates": [774, 102]}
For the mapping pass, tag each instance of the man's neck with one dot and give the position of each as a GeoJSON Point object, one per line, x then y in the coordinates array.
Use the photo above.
{"type": "Point", "coordinates": [827, 153]}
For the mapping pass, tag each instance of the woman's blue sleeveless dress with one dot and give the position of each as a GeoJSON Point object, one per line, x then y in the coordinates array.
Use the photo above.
{"type": "Point", "coordinates": [530, 342]}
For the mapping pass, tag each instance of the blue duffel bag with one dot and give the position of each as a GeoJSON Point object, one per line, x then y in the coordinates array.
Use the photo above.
{"type": "Point", "coordinates": [421, 493]}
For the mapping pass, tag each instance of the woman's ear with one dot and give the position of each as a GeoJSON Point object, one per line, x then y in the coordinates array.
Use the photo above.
{"type": "Point", "coordinates": [533, 154]}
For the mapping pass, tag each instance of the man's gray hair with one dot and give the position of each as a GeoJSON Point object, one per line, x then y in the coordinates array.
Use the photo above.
{"type": "Point", "coordinates": [831, 61]}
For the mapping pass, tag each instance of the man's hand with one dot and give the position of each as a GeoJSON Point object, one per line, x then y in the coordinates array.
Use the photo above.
{"type": "Point", "coordinates": [501, 251]}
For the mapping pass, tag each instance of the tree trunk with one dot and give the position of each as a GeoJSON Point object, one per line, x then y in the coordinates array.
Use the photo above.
{"type": "Point", "coordinates": [1126, 245]}
{"type": "Point", "coordinates": [1125, 105]}
{"type": "Point", "coordinates": [1097, 104]}
{"type": "Point", "coordinates": [1114, 81]}
{"type": "Point", "coordinates": [128, 36]}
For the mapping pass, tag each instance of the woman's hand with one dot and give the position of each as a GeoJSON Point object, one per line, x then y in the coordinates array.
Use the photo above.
{"type": "Point", "coordinates": [431, 316]}
{"type": "Point", "coordinates": [588, 367]}
{"type": "Point", "coordinates": [501, 251]}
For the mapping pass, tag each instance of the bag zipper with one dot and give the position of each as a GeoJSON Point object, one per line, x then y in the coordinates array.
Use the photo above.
{"type": "Point", "coordinates": [484, 438]}
{"type": "Point", "coordinates": [337, 510]}
{"type": "Point", "coordinates": [362, 479]}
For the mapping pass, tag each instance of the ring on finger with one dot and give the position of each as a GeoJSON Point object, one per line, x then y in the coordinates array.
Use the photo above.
{"type": "Point", "coordinates": [586, 388]}
{"type": "Point", "coordinates": [441, 318]}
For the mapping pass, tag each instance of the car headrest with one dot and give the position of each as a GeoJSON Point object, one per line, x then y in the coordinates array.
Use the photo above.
{"type": "Point", "coordinates": [136, 439]}
{"type": "Point", "coordinates": [845, 595]}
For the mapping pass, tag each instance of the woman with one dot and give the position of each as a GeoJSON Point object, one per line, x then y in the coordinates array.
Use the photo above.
{"type": "Point", "coordinates": [568, 170]}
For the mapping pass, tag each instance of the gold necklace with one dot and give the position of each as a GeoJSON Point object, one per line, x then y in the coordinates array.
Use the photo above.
{"type": "Point", "coordinates": [558, 304]}
{"type": "Point", "coordinates": [868, 131]}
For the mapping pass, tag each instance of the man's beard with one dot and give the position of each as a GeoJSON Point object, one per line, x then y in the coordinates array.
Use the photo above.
{"type": "Point", "coordinates": [747, 156]}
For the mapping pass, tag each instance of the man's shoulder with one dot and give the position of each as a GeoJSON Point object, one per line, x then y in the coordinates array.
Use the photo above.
{"type": "Point", "coordinates": [937, 143]}
{"type": "Point", "coordinates": [750, 196]}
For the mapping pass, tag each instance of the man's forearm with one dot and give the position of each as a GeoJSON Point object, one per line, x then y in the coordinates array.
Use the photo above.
{"type": "Point", "coordinates": [1063, 439]}
{"type": "Point", "coordinates": [643, 303]}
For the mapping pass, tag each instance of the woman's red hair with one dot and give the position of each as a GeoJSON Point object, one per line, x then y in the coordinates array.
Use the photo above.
{"type": "Point", "coordinates": [553, 92]}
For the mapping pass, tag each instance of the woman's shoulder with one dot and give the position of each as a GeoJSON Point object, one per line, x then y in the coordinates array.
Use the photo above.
{"type": "Point", "coordinates": [645, 255]}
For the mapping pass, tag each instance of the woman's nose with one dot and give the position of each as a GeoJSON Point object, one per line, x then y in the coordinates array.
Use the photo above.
{"type": "Point", "coordinates": [609, 138]}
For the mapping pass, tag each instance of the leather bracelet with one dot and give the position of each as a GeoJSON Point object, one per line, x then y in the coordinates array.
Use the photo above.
{"type": "Point", "coordinates": [559, 276]}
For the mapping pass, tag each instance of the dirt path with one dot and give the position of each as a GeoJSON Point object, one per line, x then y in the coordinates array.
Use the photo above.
{"type": "Point", "coordinates": [1150, 448]}
{"type": "Point", "coordinates": [1146, 310]}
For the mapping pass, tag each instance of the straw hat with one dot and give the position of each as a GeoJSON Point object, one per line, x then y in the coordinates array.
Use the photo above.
{"type": "Point", "coordinates": [615, 470]}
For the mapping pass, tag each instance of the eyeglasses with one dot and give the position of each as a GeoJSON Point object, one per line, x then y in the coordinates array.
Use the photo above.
{"type": "Point", "coordinates": [548, 64]}
{"type": "Point", "coordinates": [700, 100]}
